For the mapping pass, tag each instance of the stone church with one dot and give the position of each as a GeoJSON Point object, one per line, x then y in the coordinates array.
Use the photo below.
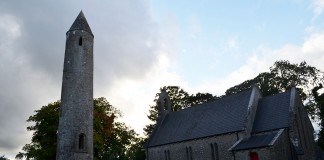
{"type": "Point", "coordinates": [242, 126]}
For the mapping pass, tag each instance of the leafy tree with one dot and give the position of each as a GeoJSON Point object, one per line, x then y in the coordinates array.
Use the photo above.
{"type": "Point", "coordinates": [43, 145]}
{"type": "Point", "coordinates": [200, 98]}
{"type": "Point", "coordinates": [281, 77]}
{"type": "Point", "coordinates": [3, 158]}
{"type": "Point", "coordinates": [111, 139]}
{"type": "Point", "coordinates": [180, 99]}
{"type": "Point", "coordinates": [319, 98]}
{"type": "Point", "coordinates": [137, 150]}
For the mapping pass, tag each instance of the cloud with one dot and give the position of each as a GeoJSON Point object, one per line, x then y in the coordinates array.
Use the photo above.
{"type": "Point", "coordinates": [32, 50]}
{"type": "Point", "coordinates": [318, 7]}
{"type": "Point", "coordinates": [262, 58]}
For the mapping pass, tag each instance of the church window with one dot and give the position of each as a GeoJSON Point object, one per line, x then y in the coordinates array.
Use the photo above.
{"type": "Point", "coordinates": [165, 103]}
{"type": "Point", "coordinates": [214, 149]}
{"type": "Point", "coordinates": [189, 153]}
{"type": "Point", "coordinates": [167, 155]}
{"type": "Point", "coordinates": [80, 41]}
{"type": "Point", "coordinates": [254, 156]}
{"type": "Point", "coordinates": [82, 138]}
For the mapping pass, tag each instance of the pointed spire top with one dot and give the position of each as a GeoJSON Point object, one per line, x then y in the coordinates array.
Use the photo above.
{"type": "Point", "coordinates": [81, 23]}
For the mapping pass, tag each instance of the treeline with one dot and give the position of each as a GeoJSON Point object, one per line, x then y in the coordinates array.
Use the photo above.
{"type": "Point", "coordinates": [114, 140]}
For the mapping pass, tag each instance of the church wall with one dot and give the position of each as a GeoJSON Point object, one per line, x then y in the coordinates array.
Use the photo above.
{"type": "Point", "coordinates": [201, 149]}
{"type": "Point", "coordinates": [281, 148]}
{"type": "Point", "coordinates": [279, 151]}
{"type": "Point", "coordinates": [263, 154]}
{"type": "Point", "coordinates": [305, 132]}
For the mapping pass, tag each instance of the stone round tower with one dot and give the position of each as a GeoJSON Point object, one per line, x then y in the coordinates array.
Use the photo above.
{"type": "Point", "coordinates": [75, 134]}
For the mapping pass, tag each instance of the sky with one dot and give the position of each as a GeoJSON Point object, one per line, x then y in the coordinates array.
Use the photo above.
{"type": "Point", "coordinates": [142, 45]}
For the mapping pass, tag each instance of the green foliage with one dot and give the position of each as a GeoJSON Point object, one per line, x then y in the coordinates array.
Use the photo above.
{"type": "Point", "coordinates": [3, 158]}
{"type": "Point", "coordinates": [319, 98]}
{"type": "Point", "coordinates": [180, 99]}
{"type": "Point", "coordinates": [112, 139]}
{"type": "Point", "coordinates": [281, 77]}
{"type": "Point", "coordinates": [43, 145]}
{"type": "Point", "coordinates": [137, 150]}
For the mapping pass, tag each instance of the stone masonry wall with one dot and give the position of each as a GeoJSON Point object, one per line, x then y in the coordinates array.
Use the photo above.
{"type": "Point", "coordinates": [282, 148]}
{"type": "Point", "coordinates": [263, 154]}
{"type": "Point", "coordinates": [75, 136]}
{"type": "Point", "coordinates": [305, 132]}
{"type": "Point", "coordinates": [201, 149]}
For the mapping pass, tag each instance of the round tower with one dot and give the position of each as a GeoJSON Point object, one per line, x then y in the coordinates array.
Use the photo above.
{"type": "Point", "coordinates": [75, 134]}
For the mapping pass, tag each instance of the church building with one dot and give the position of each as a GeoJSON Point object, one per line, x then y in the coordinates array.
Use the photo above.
{"type": "Point", "coordinates": [242, 126]}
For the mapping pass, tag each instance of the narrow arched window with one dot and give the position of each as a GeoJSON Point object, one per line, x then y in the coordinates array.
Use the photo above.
{"type": "Point", "coordinates": [165, 103]}
{"type": "Point", "coordinates": [212, 151]}
{"type": "Point", "coordinates": [80, 41]}
{"type": "Point", "coordinates": [82, 141]}
{"type": "Point", "coordinates": [216, 151]}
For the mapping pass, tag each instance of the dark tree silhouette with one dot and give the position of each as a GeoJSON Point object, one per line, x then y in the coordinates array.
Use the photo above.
{"type": "Point", "coordinates": [112, 139]}
{"type": "Point", "coordinates": [281, 77]}
{"type": "Point", "coordinates": [180, 99]}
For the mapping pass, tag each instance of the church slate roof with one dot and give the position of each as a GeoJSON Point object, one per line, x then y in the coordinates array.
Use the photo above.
{"type": "Point", "coordinates": [257, 141]}
{"type": "Point", "coordinates": [272, 113]}
{"type": "Point", "coordinates": [221, 116]}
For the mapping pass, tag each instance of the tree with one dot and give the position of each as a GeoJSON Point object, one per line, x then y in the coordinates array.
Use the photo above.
{"type": "Point", "coordinates": [43, 145]}
{"type": "Point", "coordinates": [3, 158]}
{"type": "Point", "coordinates": [180, 99]}
{"type": "Point", "coordinates": [281, 77]}
{"type": "Point", "coordinates": [137, 150]}
{"type": "Point", "coordinates": [111, 139]}
{"type": "Point", "coordinates": [319, 98]}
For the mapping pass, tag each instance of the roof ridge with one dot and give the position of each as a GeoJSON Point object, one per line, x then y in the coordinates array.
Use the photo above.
{"type": "Point", "coordinates": [212, 101]}
{"type": "Point", "coordinates": [277, 94]}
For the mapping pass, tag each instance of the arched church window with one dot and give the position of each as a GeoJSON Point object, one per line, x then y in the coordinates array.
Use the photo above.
{"type": "Point", "coordinates": [80, 41]}
{"type": "Point", "coordinates": [82, 138]}
{"type": "Point", "coordinates": [165, 104]}
{"type": "Point", "coordinates": [189, 153]}
{"type": "Point", "coordinates": [214, 149]}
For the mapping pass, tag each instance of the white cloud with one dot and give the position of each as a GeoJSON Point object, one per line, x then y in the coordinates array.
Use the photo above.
{"type": "Point", "coordinates": [133, 97]}
{"type": "Point", "coordinates": [318, 7]}
{"type": "Point", "coordinates": [32, 49]}
{"type": "Point", "coordinates": [311, 51]}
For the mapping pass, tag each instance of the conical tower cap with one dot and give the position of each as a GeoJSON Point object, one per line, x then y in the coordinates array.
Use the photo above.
{"type": "Point", "coordinates": [81, 23]}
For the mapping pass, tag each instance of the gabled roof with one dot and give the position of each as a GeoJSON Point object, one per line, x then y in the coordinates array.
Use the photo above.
{"type": "Point", "coordinates": [258, 141]}
{"type": "Point", "coordinates": [81, 23]}
{"type": "Point", "coordinates": [221, 116]}
{"type": "Point", "coordinates": [272, 113]}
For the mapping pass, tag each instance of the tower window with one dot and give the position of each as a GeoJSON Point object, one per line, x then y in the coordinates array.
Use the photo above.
{"type": "Point", "coordinates": [80, 41]}
{"type": "Point", "coordinates": [82, 141]}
